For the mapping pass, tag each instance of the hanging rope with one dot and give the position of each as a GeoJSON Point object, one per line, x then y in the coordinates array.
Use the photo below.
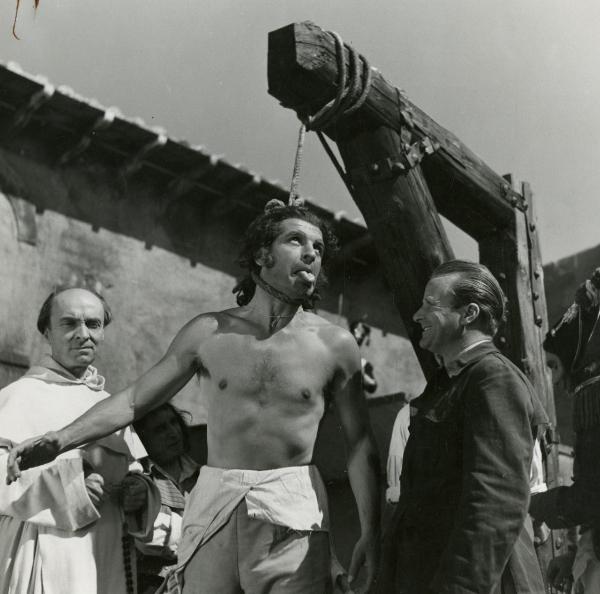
{"type": "Point", "coordinates": [350, 96]}
{"type": "Point", "coordinates": [293, 199]}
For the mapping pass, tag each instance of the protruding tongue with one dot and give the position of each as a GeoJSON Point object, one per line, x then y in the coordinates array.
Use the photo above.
{"type": "Point", "coordinates": [307, 277]}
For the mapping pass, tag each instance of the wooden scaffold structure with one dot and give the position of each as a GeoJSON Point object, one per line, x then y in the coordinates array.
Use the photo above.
{"type": "Point", "coordinates": [404, 170]}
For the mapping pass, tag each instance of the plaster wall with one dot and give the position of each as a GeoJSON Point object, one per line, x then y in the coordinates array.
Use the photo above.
{"type": "Point", "coordinates": [158, 262]}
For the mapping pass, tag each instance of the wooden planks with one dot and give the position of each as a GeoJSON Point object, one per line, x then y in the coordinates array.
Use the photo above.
{"type": "Point", "coordinates": [513, 256]}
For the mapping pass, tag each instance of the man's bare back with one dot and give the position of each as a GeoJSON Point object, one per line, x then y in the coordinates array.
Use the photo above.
{"type": "Point", "coordinates": [268, 390]}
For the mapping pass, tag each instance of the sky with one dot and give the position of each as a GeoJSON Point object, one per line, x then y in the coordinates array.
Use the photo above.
{"type": "Point", "coordinates": [515, 80]}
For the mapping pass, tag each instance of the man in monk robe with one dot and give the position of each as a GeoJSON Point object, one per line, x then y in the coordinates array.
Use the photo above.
{"type": "Point", "coordinates": [257, 520]}
{"type": "Point", "coordinates": [61, 525]}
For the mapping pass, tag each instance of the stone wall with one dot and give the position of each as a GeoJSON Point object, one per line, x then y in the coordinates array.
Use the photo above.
{"type": "Point", "coordinates": [159, 264]}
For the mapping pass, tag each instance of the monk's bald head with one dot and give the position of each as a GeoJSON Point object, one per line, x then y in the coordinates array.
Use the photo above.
{"type": "Point", "coordinates": [43, 321]}
{"type": "Point", "coordinates": [73, 321]}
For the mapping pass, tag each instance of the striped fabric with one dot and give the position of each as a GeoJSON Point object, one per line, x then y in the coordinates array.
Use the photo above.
{"type": "Point", "coordinates": [586, 406]}
{"type": "Point", "coordinates": [171, 491]}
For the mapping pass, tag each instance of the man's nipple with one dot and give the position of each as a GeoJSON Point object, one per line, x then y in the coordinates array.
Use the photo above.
{"type": "Point", "coordinates": [222, 384]}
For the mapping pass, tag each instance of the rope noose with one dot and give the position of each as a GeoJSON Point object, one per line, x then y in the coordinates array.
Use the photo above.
{"type": "Point", "coordinates": [349, 97]}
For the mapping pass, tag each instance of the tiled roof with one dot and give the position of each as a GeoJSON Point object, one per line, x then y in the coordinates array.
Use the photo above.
{"type": "Point", "coordinates": [72, 127]}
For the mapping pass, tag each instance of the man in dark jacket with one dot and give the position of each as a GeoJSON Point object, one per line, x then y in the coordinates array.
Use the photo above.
{"type": "Point", "coordinates": [460, 523]}
{"type": "Point", "coordinates": [575, 340]}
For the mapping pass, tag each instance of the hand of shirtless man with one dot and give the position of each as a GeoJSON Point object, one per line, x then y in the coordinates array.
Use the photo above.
{"type": "Point", "coordinates": [267, 369]}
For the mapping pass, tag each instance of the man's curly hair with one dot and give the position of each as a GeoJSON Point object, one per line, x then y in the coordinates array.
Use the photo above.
{"type": "Point", "coordinates": [263, 231]}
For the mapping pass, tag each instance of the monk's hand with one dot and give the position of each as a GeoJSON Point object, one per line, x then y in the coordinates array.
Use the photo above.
{"type": "Point", "coordinates": [31, 452]}
{"type": "Point", "coordinates": [134, 493]}
{"type": "Point", "coordinates": [366, 552]}
{"type": "Point", "coordinates": [94, 485]}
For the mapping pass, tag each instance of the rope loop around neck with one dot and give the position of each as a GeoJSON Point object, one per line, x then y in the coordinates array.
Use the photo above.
{"type": "Point", "coordinates": [277, 294]}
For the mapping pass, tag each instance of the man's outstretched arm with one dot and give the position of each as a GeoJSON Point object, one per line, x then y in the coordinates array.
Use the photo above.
{"type": "Point", "coordinates": [156, 386]}
{"type": "Point", "coordinates": [363, 460]}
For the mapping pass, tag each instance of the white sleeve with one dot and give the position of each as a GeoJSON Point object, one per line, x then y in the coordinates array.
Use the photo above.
{"type": "Point", "coordinates": [165, 535]}
{"type": "Point", "coordinates": [51, 495]}
{"type": "Point", "coordinates": [141, 524]}
{"type": "Point", "coordinates": [396, 454]}
{"type": "Point", "coordinates": [537, 484]}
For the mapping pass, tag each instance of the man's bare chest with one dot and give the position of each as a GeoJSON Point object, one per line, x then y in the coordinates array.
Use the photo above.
{"type": "Point", "coordinates": [287, 363]}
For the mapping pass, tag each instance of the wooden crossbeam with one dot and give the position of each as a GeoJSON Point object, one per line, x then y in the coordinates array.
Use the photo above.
{"type": "Point", "coordinates": [302, 75]}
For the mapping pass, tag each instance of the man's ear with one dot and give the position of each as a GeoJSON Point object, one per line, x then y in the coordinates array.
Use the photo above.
{"type": "Point", "coordinates": [263, 258]}
{"type": "Point", "coordinates": [259, 257]}
{"type": "Point", "coordinates": [471, 313]}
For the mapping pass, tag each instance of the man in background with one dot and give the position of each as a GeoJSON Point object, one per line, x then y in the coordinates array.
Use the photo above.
{"type": "Point", "coordinates": [362, 335]}
{"type": "Point", "coordinates": [575, 341]}
{"type": "Point", "coordinates": [165, 436]}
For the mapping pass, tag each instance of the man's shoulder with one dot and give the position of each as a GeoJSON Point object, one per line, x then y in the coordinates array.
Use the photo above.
{"type": "Point", "coordinates": [20, 385]}
{"type": "Point", "coordinates": [204, 324]}
{"type": "Point", "coordinates": [327, 330]}
{"type": "Point", "coordinates": [495, 367]}
{"type": "Point", "coordinates": [338, 341]}
{"type": "Point", "coordinates": [494, 360]}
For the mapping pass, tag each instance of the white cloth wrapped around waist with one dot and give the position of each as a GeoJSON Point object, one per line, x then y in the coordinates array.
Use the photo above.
{"type": "Point", "coordinates": [293, 496]}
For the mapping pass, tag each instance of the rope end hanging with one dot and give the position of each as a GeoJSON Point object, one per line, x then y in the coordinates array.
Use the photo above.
{"type": "Point", "coordinates": [293, 199]}
{"type": "Point", "coordinates": [350, 96]}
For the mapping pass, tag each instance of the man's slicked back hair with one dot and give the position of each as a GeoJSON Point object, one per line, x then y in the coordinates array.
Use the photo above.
{"type": "Point", "coordinates": [476, 284]}
{"type": "Point", "coordinates": [43, 321]}
{"type": "Point", "coordinates": [262, 232]}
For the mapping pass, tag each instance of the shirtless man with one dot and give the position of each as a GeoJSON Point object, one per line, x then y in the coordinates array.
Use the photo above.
{"type": "Point", "coordinates": [257, 520]}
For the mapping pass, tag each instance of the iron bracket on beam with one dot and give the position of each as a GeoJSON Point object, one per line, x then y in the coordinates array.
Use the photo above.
{"type": "Point", "coordinates": [392, 167]}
